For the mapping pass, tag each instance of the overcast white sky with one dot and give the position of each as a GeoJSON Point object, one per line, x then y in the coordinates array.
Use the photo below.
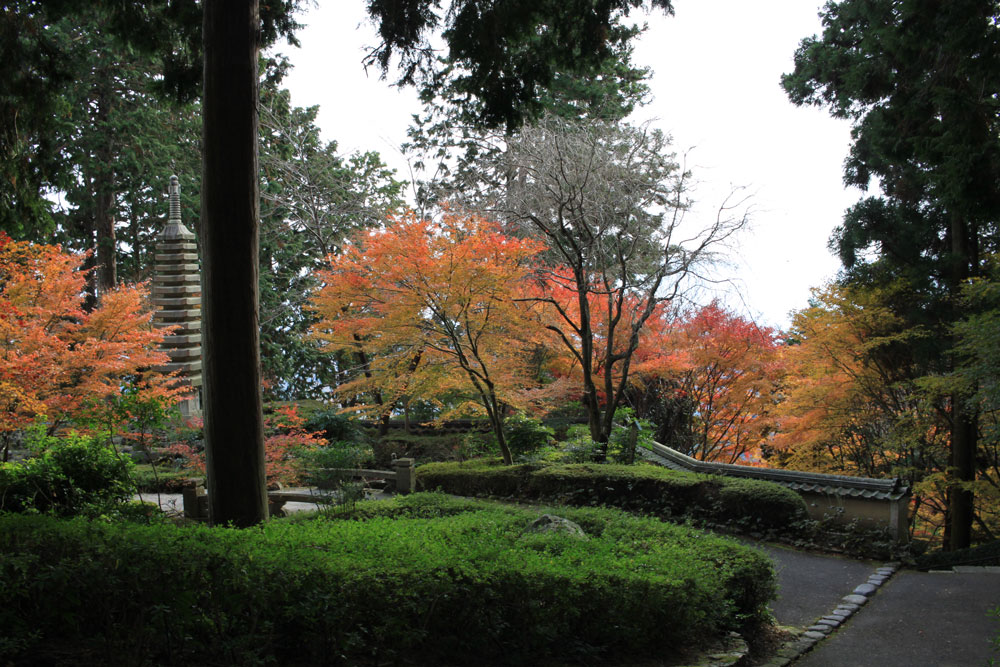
{"type": "Point", "coordinates": [716, 71]}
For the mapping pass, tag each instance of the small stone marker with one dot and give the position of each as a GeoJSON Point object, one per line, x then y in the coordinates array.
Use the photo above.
{"type": "Point", "coordinates": [406, 477]}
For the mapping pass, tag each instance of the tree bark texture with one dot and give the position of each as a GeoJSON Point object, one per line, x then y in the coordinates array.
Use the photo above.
{"type": "Point", "coordinates": [104, 221]}
{"type": "Point", "coordinates": [964, 443]}
{"type": "Point", "coordinates": [964, 418]}
{"type": "Point", "coordinates": [234, 433]}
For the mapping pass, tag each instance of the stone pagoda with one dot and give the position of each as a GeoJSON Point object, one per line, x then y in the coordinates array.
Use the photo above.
{"type": "Point", "coordinates": [177, 297]}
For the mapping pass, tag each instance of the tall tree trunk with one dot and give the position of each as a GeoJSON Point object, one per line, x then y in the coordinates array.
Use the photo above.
{"type": "Point", "coordinates": [964, 441]}
{"type": "Point", "coordinates": [964, 419]}
{"type": "Point", "coordinates": [90, 268]}
{"type": "Point", "coordinates": [104, 224]}
{"type": "Point", "coordinates": [106, 246]}
{"type": "Point", "coordinates": [234, 432]}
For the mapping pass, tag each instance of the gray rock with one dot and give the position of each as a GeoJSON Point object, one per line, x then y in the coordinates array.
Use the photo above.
{"type": "Point", "coordinates": [789, 651]}
{"type": "Point", "coordinates": [855, 599]}
{"type": "Point", "coordinates": [814, 634]}
{"type": "Point", "coordinates": [549, 523]}
{"type": "Point", "coordinates": [806, 642]}
{"type": "Point", "coordinates": [825, 629]}
{"type": "Point", "coordinates": [829, 620]}
{"type": "Point", "coordinates": [876, 580]}
{"type": "Point", "coordinates": [865, 589]}
{"type": "Point", "coordinates": [778, 662]}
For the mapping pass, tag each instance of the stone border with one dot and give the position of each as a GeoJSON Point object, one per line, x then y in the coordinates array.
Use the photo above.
{"type": "Point", "coordinates": [828, 624]}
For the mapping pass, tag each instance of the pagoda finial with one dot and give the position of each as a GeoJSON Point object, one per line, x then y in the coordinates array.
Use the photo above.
{"type": "Point", "coordinates": [175, 200]}
{"type": "Point", "coordinates": [175, 229]}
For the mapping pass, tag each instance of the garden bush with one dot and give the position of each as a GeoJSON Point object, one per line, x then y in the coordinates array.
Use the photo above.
{"type": "Point", "coordinates": [744, 504]}
{"type": "Point", "coordinates": [333, 425]}
{"type": "Point", "coordinates": [525, 434]}
{"type": "Point", "coordinates": [416, 582]}
{"type": "Point", "coordinates": [172, 479]}
{"type": "Point", "coordinates": [68, 475]}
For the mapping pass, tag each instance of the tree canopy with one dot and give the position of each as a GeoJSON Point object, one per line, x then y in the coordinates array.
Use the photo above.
{"type": "Point", "coordinates": [920, 81]}
{"type": "Point", "coordinates": [437, 309]}
{"type": "Point", "coordinates": [506, 54]}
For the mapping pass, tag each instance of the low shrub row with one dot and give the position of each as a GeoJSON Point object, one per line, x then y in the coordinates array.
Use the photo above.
{"type": "Point", "coordinates": [742, 503]}
{"type": "Point", "coordinates": [983, 554]}
{"type": "Point", "coordinates": [422, 580]}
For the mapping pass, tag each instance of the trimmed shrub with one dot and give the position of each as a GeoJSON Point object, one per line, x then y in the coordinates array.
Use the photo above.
{"type": "Point", "coordinates": [73, 475]}
{"type": "Point", "coordinates": [161, 481]}
{"type": "Point", "coordinates": [982, 554]}
{"type": "Point", "coordinates": [526, 435]}
{"type": "Point", "coordinates": [430, 586]}
{"type": "Point", "coordinates": [742, 503]}
{"type": "Point", "coordinates": [479, 477]}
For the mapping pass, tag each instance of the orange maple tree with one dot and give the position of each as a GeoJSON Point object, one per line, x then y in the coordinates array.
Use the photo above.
{"type": "Point", "coordinates": [596, 323]}
{"type": "Point", "coordinates": [728, 369]}
{"type": "Point", "coordinates": [608, 315]}
{"type": "Point", "coordinates": [847, 410]}
{"type": "Point", "coordinates": [56, 359]}
{"type": "Point", "coordinates": [433, 309]}
{"type": "Point", "coordinates": [857, 404]}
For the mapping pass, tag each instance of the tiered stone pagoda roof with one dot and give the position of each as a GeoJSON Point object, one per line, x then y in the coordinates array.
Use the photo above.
{"type": "Point", "coordinates": [177, 292]}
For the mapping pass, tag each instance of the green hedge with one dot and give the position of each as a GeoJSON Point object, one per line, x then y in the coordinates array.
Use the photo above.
{"type": "Point", "coordinates": [418, 581]}
{"type": "Point", "coordinates": [980, 555]}
{"type": "Point", "coordinates": [743, 503]}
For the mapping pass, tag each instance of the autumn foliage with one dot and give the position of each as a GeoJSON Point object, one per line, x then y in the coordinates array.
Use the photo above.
{"type": "Point", "coordinates": [725, 371]}
{"type": "Point", "coordinates": [56, 359]}
{"type": "Point", "coordinates": [431, 310]}
{"type": "Point", "coordinates": [286, 440]}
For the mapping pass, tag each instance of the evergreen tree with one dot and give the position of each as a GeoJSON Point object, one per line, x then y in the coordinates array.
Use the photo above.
{"type": "Point", "coordinates": [313, 199]}
{"type": "Point", "coordinates": [919, 80]}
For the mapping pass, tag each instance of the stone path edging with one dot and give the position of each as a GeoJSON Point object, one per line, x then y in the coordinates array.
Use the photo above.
{"type": "Point", "coordinates": [828, 624]}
